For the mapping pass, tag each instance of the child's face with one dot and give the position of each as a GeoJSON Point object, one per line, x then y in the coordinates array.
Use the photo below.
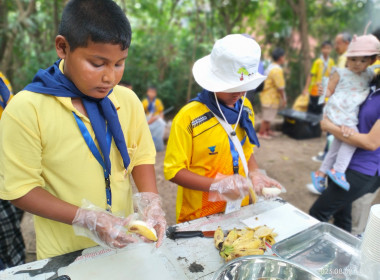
{"type": "Point", "coordinates": [229, 98]}
{"type": "Point", "coordinates": [151, 93]}
{"type": "Point", "coordinates": [94, 69]}
{"type": "Point", "coordinates": [326, 50]}
{"type": "Point", "coordinates": [358, 64]}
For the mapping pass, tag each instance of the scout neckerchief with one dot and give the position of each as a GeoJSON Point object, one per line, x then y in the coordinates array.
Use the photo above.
{"type": "Point", "coordinates": [231, 114]}
{"type": "Point", "coordinates": [4, 93]}
{"type": "Point", "coordinates": [151, 105]}
{"type": "Point", "coordinates": [100, 111]}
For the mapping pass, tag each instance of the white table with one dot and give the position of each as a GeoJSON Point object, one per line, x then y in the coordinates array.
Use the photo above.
{"type": "Point", "coordinates": [195, 258]}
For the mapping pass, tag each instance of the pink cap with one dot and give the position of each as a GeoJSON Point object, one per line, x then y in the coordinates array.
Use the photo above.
{"type": "Point", "coordinates": [365, 45]}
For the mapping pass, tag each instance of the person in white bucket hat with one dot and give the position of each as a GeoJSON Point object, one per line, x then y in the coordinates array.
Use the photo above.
{"type": "Point", "coordinates": [210, 147]}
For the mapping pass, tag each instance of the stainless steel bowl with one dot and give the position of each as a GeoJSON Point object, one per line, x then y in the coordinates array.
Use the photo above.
{"type": "Point", "coordinates": [264, 268]}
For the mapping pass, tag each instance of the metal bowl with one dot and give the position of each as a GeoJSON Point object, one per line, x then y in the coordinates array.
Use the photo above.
{"type": "Point", "coordinates": [264, 268]}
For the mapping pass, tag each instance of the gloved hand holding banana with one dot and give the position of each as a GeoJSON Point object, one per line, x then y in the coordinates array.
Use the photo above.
{"type": "Point", "coordinates": [149, 207]}
{"type": "Point", "coordinates": [229, 188]}
{"type": "Point", "coordinates": [264, 185]}
{"type": "Point", "coordinates": [102, 227]}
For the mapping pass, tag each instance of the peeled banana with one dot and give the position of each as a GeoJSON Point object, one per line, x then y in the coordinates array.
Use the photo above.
{"type": "Point", "coordinates": [142, 228]}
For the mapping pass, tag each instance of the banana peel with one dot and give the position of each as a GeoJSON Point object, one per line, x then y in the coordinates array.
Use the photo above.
{"type": "Point", "coordinates": [142, 228]}
{"type": "Point", "coordinates": [243, 242]}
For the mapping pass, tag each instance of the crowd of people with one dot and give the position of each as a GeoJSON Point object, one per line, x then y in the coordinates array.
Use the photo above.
{"type": "Point", "coordinates": [73, 137]}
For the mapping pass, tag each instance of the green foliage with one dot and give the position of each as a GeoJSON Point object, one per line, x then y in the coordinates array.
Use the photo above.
{"type": "Point", "coordinates": [169, 35]}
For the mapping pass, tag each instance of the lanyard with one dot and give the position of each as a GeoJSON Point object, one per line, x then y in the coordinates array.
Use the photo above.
{"type": "Point", "coordinates": [92, 146]}
{"type": "Point", "coordinates": [235, 155]}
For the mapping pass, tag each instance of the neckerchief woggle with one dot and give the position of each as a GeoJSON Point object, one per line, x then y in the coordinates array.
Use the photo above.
{"type": "Point", "coordinates": [53, 82]}
{"type": "Point", "coordinates": [5, 93]}
{"type": "Point", "coordinates": [207, 97]}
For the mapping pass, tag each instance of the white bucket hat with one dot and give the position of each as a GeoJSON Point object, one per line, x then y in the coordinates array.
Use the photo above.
{"type": "Point", "coordinates": [232, 65]}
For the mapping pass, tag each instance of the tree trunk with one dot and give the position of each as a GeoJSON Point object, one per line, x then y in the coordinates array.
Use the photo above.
{"type": "Point", "coordinates": [300, 10]}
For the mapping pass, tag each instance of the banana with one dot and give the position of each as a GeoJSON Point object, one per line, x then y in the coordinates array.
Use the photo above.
{"type": "Point", "coordinates": [247, 244]}
{"type": "Point", "coordinates": [246, 252]}
{"type": "Point", "coordinates": [143, 229]}
{"type": "Point", "coordinates": [231, 237]}
{"type": "Point", "coordinates": [218, 238]}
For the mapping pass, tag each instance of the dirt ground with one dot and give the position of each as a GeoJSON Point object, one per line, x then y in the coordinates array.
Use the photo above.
{"type": "Point", "coordinates": [284, 159]}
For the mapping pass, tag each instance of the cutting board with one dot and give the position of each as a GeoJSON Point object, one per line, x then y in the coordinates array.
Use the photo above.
{"type": "Point", "coordinates": [142, 261]}
{"type": "Point", "coordinates": [286, 220]}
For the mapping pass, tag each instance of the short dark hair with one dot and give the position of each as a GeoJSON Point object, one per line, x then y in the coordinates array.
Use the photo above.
{"type": "Point", "coordinates": [326, 43]}
{"type": "Point", "coordinates": [101, 21]}
{"type": "Point", "coordinates": [277, 53]}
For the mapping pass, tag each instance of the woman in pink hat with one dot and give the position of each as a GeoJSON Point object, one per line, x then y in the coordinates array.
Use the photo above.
{"type": "Point", "coordinates": [348, 88]}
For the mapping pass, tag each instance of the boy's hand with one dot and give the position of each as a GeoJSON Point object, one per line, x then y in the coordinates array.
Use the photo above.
{"type": "Point", "coordinates": [260, 181]}
{"type": "Point", "coordinates": [102, 227]}
{"type": "Point", "coordinates": [150, 208]}
{"type": "Point", "coordinates": [228, 188]}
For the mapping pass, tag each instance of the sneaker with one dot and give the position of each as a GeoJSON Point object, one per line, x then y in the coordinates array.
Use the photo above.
{"type": "Point", "coordinates": [339, 179]}
{"type": "Point", "coordinates": [318, 158]}
{"type": "Point", "coordinates": [318, 183]}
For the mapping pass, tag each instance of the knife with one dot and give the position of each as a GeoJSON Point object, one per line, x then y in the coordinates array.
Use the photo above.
{"type": "Point", "coordinates": [173, 234]}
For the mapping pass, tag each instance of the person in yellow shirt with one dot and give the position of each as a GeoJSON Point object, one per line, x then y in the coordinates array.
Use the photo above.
{"type": "Point", "coordinates": [202, 154]}
{"type": "Point", "coordinates": [154, 111]}
{"type": "Point", "coordinates": [12, 247]}
{"type": "Point", "coordinates": [342, 40]}
{"type": "Point", "coordinates": [320, 70]}
{"type": "Point", "coordinates": [273, 95]}
{"type": "Point", "coordinates": [71, 139]}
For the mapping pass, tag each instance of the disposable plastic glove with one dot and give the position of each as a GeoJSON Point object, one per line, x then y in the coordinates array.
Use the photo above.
{"type": "Point", "coordinates": [149, 206]}
{"type": "Point", "coordinates": [260, 180]}
{"type": "Point", "coordinates": [102, 227]}
{"type": "Point", "coordinates": [228, 188]}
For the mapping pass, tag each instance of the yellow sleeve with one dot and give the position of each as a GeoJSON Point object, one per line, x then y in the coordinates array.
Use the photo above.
{"type": "Point", "coordinates": [278, 78]}
{"type": "Point", "coordinates": [145, 104]}
{"type": "Point", "coordinates": [314, 68]}
{"type": "Point", "coordinates": [179, 147]}
{"type": "Point", "coordinates": [159, 106]}
{"type": "Point", "coordinates": [20, 151]}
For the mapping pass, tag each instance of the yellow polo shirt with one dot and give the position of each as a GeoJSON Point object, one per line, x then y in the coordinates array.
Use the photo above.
{"type": "Point", "coordinates": [198, 143]}
{"type": "Point", "coordinates": [41, 145]}
{"type": "Point", "coordinates": [270, 96]}
{"type": "Point", "coordinates": [317, 74]}
{"type": "Point", "coordinates": [158, 105]}
{"type": "Point", "coordinates": [342, 60]}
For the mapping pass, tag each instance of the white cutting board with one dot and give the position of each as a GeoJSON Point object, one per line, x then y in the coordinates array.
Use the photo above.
{"type": "Point", "coordinates": [286, 220]}
{"type": "Point", "coordinates": [142, 261]}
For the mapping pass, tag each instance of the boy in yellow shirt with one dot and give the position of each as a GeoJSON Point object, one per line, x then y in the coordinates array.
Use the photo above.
{"type": "Point", "coordinates": [201, 157]}
{"type": "Point", "coordinates": [321, 69]}
{"type": "Point", "coordinates": [273, 95]}
{"type": "Point", "coordinates": [74, 134]}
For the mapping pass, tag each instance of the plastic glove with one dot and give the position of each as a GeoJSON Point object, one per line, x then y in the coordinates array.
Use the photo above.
{"type": "Point", "coordinates": [260, 181]}
{"type": "Point", "coordinates": [228, 188]}
{"type": "Point", "coordinates": [102, 227]}
{"type": "Point", "coordinates": [150, 208]}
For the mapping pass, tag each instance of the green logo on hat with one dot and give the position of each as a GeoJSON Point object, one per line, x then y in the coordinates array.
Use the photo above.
{"type": "Point", "coordinates": [243, 72]}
